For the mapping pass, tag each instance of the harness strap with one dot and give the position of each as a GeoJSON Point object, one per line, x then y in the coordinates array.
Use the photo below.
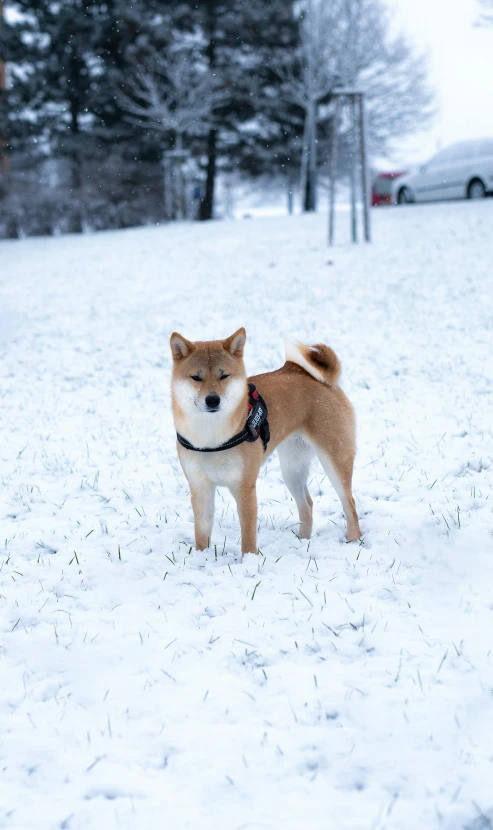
{"type": "Point", "coordinates": [257, 426]}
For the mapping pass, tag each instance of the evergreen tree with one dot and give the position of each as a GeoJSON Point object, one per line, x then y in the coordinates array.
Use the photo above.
{"type": "Point", "coordinates": [262, 81]}
{"type": "Point", "coordinates": [64, 56]}
{"type": "Point", "coordinates": [3, 102]}
{"type": "Point", "coordinates": [238, 42]}
{"type": "Point", "coordinates": [56, 79]}
{"type": "Point", "coordinates": [70, 58]}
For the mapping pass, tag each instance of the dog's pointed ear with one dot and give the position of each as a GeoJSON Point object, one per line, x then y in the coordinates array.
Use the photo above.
{"type": "Point", "coordinates": [236, 343]}
{"type": "Point", "coordinates": [180, 346]}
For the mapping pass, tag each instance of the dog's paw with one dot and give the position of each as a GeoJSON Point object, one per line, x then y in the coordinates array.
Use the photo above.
{"type": "Point", "coordinates": [250, 558]}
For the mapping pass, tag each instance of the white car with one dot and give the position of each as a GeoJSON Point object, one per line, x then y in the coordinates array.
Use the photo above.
{"type": "Point", "coordinates": [463, 171]}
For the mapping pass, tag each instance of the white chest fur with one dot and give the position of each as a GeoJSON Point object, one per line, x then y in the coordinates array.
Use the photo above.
{"type": "Point", "coordinates": [209, 429]}
{"type": "Point", "coordinates": [224, 469]}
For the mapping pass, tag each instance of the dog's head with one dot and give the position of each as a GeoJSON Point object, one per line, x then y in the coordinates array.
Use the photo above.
{"type": "Point", "coordinates": [209, 375]}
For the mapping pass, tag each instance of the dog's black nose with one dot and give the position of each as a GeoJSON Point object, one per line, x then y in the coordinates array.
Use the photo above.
{"type": "Point", "coordinates": [212, 401]}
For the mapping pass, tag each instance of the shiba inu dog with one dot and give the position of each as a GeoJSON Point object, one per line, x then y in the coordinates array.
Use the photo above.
{"type": "Point", "coordinates": [308, 415]}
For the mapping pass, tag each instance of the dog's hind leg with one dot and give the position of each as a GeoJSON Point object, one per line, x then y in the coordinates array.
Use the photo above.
{"type": "Point", "coordinates": [295, 456]}
{"type": "Point", "coordinates": [340, 472]}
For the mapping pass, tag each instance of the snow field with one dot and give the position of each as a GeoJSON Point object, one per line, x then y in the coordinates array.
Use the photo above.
{"type": "Point", "coordinates": [343, 687]}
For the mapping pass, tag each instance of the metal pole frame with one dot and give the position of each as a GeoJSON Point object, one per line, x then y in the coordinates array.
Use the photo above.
{"type": "Point", "coordinates": [358, 128]}
{"type": "Point", "coordinates": [333, 168]}
{"type": "Point", "coordinates": [353, 151]}
{"type": "Point", "coordinates": [365, 181]}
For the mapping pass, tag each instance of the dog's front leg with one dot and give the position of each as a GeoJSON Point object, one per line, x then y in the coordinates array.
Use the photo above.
{"type": "Point", "coordinates": [203, 511]}
{"type": "Point", "coordinates": [246, 500]}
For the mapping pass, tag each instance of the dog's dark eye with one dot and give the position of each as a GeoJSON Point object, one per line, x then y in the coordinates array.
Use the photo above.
{"type": "Point", "coordinates": [196, 377]}
{"type": "Point", "coordinates": [223, 377]}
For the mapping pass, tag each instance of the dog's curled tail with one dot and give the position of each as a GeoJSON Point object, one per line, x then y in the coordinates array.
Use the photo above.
{"type": "Point", "coordinates": [320, 361]}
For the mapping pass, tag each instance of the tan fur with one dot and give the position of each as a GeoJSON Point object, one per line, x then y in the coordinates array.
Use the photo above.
{"type": "Point", "coordinates": [308, 414]}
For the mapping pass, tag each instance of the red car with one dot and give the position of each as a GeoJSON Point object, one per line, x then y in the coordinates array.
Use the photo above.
{"type": "Point", "coordinates": [382, 191]}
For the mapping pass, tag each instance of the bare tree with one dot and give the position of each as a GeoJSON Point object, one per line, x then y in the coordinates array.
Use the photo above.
{"type": "Point", "coordinates": [347, 43]}
{"type": "Point", "coordinates": [393, 76]}
{"type": "Point", "coordinates": [173, 95]}
{"type": "Point", "coordinates": [307, 83]}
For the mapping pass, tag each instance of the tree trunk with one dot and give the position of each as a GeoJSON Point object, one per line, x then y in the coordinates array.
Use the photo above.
{"type": "Point", "coordinates": [290, 182]}
{"type": "Point", "coordinates": [206, 210]}
{"type": "Point", "coordinates": [4, 157]}
{"type": "Point", "coordinates": [207, 203]}
{"type": "Point", "coordinates": [75, 161]}
{"type": "Point", "coordinates": [310, 194]}
{"type": "Point", "coordinates": [76, 190]}
{"type": "Point", "coordinates": [304, 160]}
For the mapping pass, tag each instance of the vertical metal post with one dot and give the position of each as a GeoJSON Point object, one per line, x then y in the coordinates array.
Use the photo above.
{"type": "Point", "coordinates": [290, 191]}
{"type": "Point", "coordinates": [365, 185]}
{"type": "Point", "coordinates": [333, 168]}
{"type": "Point", "coordinates": [353, 149]}
{"type": "Point", "coordinates": [357, 151]}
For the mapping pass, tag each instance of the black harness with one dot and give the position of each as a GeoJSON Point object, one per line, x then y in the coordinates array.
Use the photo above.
{"type": "Point", "coordinates": [257, 426]}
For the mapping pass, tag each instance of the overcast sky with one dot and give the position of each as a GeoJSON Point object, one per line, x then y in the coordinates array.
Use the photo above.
{"type": "Point", "coordinates": [461, 66]}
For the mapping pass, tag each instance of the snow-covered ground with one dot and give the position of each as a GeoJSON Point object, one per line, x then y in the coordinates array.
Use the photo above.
{"type": "Point", "coordinates": [321, 685]}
